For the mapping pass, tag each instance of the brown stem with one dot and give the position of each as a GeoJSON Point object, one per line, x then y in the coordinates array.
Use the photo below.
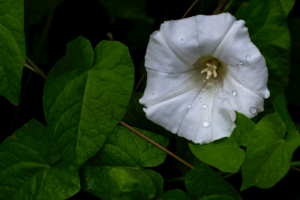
{"type": "Point", "coordinates": [136, 87]}
{"type": "Point", "coordinates": [189, 9]}
{"type": "Point", "coordinates": [40, 72]}
{"type": "Point", "coordinates": [30, 68]}
{"type": "Point", "coordinates": [294, 169]}
{"type": "Point", "coordinates": [155, 144]}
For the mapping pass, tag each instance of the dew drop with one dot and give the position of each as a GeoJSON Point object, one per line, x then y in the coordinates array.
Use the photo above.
{"type": "Point", "coordinates": [243, 82]}
{"type": "Point", "coordinates": [243, 77]}
{"type": "Point", "coordinates": [181, 39]}
{"type": "Point", "coordinates": [240, 63]}
{"type": "Point", "coordinates": [222, 95]}
{"type": "Point", "coordinates": [200, 99]}
{"type": "Point", "coordinates": [234, 93]}
{"type": "Point", "coordinates": [252, 110]}
{"type": "Point", "coordinates": [204, 106]}
{"type": "Point", "coordinates": [153, 93]}
{"type": "Point", "coordinates": [248, 58]}
{"type": "Point", "coordinates": [174, 61]}
{"type": "Point", "coordinates": [169, 65]}
{"type": "Point", "coordinates": [203, 90]}
{"type": "Point", "coordinates": [168, 83]}
{"type": "Point", "coordinates": [205, 123]}
{"type": "Point", "coordinates": [189, 106]}
{"type": "Point", "coordinates": [256, 103]}
{"type": "Point", "coordinates": [267, 94]}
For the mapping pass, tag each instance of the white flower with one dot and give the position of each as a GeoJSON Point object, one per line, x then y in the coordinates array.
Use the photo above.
{"type": "Point", "coordinates": [199, 70]}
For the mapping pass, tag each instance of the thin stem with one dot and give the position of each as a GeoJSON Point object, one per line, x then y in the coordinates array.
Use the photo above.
{"type": "Point", "coordinates": [136, 87]}
{"type": "Point", "coordinates": [157, 145]}
{"type": "Point", "coordinates": [294, 169]}
{"type": "Point", "coordinates": [30, 68]}
{"type": "Point", "coordinates": [189, 9]}
{"type": "Point", "coordinates": [138, 84]}
{"type": "Point", "coordinates": [228, 175]}
{"type": "Point", "coordinates": [36, 68]}
{"type": "Point", "coordinates": [295, 163]}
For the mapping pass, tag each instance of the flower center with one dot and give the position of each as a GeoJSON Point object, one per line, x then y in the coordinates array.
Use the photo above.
{"type": "Point", "coordinates": [212, 66]}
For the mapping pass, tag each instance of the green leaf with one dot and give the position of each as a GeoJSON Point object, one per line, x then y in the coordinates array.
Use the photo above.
{"type": "Point", "coordinates": [280, 107]}
{"type": "Point", "coordinates": [13, 50]}
{"type": "Point", "coordinates": [108, 182]}
{"type": "Point", "coordinates": [269, 153]}
{"type": "Point", "coordinates": [287, 6]}
{"type": "Point", "coordinates": [225, 153]}
{"type": "Point", "coordinates": [85, 97]}
{"type": "Point", "coordinates": [26, 170]}
{"type": "Point", "coordinates": [125, 148]}
{"type": "Point", "coordinates": [269, 32]}
{"type": "Point", "coordinates": [130, 9]}
{"type": "Point", "coordinates": [217, 197]}
{"type": "Point", "coordinates": [183, 151]}
{"type": "Point", "coordinates": [135, 116]}
{"type": "Point", "coordinates": [203, 181]}
{"type": "Point", "coordinates": [176, 195]}
{"type": "Point", "coordinates": [158, 182]}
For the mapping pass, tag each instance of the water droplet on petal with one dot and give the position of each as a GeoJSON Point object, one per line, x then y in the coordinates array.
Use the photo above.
{"type": "Point", "coordinates": [200, 99]}
{"type": "Point", "coordinates": [204, 106]}
{"type": "Point", "coordinates": [256, 103]}
{"type": "Point", "coordinates": [248, 58]}
{"type": "Point", "coordinates": [243, 77]}
{"type": "Point", "coordinates": [153, 93]}
{"type": "Point", "coordinates": [174, 61]}
{"type": "Point", "coordinates": [203, 90]}
{"type": "Point", "coordinates": [252, 110]}
{"type": "Point", "coordinates": [243, 82]}
{"type": "Point", "coordinates": [267, 94]}
{"type": "Point", "coordinates": [240, 86]}
{"type": "Point", "coordinates": [169, 65]}
{"type": "Point", "coordinates": [222, 95]}
{"type": "Point", "coordinates": [205, 123]}
{"type": "Point", "coordinates": [189, 106]}
{"type": "Point", "coordinates": [240, 63]}
{"type": "Point", "coordinates": [181, 39]}
{"type": "Point", "coordinates": [234, 93]}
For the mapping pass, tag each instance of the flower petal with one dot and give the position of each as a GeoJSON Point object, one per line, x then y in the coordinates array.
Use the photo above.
{"type": "Point", "coordinates": [160, 57]}
{"type": "Point", "coordinates": [211, 30]}
{"type": "Point", "coordinates": [236, 47]}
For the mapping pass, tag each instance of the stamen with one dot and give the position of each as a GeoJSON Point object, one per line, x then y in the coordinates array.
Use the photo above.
{"type": "Point", "coordinates": [211, 68]}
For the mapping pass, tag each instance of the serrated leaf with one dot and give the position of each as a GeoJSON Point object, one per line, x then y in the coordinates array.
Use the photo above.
{"type": "Point", "coordinates": [131, 9]}
{"type": "Point", "coordinates": [26, 170]}
{"type": "Point", "coordinates": [135, 116]}
{"type": "Point", "coordinates": [225, 154]}
{"type": "Point", "coordinates": [281, 108]}
{"type": "Point", "coordinates": [85, 97]}
{"type": "Point", "coordinates": [13, 51]}
{"type": "Point", "coordinates": [183, 151]}
{"type": "Point", "coordinates": [269, 153]}
{"type": "Point", "coordinates": [269, 32]}
{"type": "Point", "coordinates": [176, 195]}
{"type": "Point", "coordinates": [108, 182]}
{"type": "Point", "coordinates": [203, 181]}
{"type": "Point", "coordinates": [125, 148]}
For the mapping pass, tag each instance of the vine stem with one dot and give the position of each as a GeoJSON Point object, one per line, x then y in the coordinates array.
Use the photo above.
{"type": "Point", "coordinates": [36, 68]}
{"type": "Point", "coordinates": [136, 87]}
{"type": "Point", "coordinates": [156, 144]}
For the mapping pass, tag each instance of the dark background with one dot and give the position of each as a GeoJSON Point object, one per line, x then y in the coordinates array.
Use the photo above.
{"type": "Point", "coordinates": [91, 20]}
